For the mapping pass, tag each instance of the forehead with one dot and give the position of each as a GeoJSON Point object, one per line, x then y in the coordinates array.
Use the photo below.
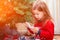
{"type": "Point", "coordinates": [39, 8]}
{"type": "Point", "coordinates": [37, 12]}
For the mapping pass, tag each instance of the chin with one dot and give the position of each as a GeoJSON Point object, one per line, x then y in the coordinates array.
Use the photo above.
{"type": "Point", "coordinates": [38, 19]}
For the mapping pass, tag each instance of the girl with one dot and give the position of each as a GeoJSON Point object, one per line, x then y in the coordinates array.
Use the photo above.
{"type": "Point", "coordinates": [43, 26]}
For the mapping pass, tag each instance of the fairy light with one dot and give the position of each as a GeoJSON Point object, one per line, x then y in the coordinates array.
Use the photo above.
{"type": "Point", "coordinates": [9, 0]}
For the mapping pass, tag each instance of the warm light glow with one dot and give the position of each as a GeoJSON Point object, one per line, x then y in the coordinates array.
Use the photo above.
{"type": "Point", "coordinates": [6, 8]}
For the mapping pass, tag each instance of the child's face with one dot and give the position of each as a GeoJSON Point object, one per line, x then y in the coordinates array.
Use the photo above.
{"type": "Point", "coordinates": [38, 14]}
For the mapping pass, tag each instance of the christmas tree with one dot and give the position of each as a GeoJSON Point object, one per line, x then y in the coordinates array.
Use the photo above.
{"type": "Point", "coordinates": [14, 11]}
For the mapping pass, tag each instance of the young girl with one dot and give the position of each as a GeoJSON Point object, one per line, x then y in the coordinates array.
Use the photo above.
{"type": "Point", "coordinates": [44, 26]}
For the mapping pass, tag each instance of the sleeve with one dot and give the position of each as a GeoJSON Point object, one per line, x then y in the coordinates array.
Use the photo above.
{"type": "Point", "coordinates": [47, 31]}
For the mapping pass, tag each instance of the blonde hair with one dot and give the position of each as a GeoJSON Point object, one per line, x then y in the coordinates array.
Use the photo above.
{"type": "Point", "coordinates": [42, 6]}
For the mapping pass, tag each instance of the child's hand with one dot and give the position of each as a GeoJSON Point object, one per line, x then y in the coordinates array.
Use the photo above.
{"type": "Point", "coordinates": [32, 28]}
{"type": "Point", "coordinates": [35, 29]}
{"type": "Point", "coordinates": [21, 28]}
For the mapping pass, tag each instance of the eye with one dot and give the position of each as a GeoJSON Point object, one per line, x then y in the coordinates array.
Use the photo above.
{"type": "Point", "coordinates": [37, 14]}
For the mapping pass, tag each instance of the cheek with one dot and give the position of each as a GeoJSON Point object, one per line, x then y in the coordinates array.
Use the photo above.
{"type": "Point", "coordinates": [36, 16]}
{"type": "Point", "coordinates": [35, 11]}
{"type": "Point", "coordinates": [41, 15]}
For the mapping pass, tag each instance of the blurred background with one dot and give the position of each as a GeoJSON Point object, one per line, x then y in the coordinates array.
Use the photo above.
{"type": "Point", "coordinates": [14, 11]}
